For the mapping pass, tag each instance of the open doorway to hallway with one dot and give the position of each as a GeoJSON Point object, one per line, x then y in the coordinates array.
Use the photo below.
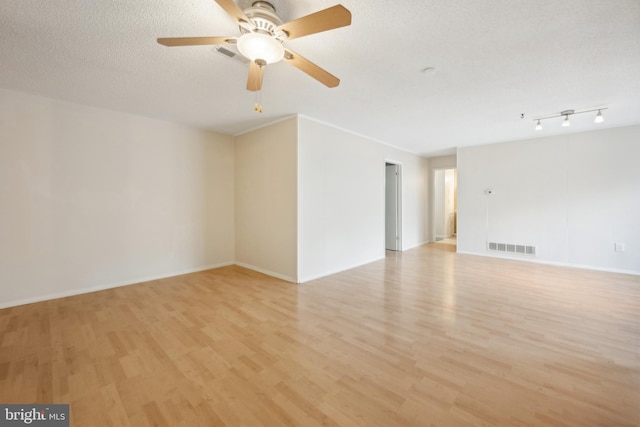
{"type": "Point", "coordinates": [392, 210]}
{"type": "Point", "coordinates": [445, 206]}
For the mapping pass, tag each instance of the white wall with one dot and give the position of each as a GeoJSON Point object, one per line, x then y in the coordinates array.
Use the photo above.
{"type": "Point", "coordinates": [341, 199]}
{"type": "Point", "coordinates": [266, 199]}
{"type": "Point", "coordinates": [92, 199]}
{"type": "Point", "coordinates": [571, 196]}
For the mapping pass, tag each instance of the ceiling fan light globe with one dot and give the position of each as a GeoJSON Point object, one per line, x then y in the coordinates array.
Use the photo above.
{"type": "Point", "coordinates": [260, 46]}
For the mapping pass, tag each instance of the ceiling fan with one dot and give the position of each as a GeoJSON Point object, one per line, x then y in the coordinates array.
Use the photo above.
{"type": "Point", "coordinates": [262, 36]}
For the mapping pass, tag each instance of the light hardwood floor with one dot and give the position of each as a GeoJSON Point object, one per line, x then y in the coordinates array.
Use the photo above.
{"type": "Point", "coordinates": [425, 337]}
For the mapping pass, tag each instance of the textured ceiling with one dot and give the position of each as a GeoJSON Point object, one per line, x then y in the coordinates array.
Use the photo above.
{"type": "Point", "coordinates": [493, 60]}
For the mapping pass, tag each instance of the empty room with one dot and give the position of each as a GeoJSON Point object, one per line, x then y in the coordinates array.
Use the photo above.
{"type": "Point", "coordinates": [285, 213]}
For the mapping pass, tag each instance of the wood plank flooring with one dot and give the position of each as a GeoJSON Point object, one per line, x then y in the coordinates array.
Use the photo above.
{"type": "Point", "coordinates": [426, 337]}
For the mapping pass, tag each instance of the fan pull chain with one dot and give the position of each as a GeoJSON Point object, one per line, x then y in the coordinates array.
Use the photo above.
{"type": "Point", "coordinates": [258, 105]}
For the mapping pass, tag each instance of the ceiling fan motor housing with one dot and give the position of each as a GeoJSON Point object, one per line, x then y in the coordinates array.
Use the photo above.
{"type": "Point", "coordinates": [263, 15]}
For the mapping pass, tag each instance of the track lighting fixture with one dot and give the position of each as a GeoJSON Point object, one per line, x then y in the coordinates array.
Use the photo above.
{"type": "Point", "coordinates": [566, 113]}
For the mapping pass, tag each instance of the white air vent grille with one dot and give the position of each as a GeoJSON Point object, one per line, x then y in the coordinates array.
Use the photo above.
{"type": "Point", "coordinates": [512, 248]}
{"type": "Point", "coordinates": [231, 53]}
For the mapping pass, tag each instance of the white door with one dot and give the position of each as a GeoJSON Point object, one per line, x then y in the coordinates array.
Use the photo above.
{"type": "Point", "coordinates": [392, 207]}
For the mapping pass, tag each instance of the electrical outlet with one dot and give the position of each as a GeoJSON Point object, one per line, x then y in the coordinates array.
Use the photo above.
{"type": "Point", "coordinates": [619, 247]}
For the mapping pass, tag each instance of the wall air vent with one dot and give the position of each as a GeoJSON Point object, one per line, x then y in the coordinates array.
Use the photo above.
{"type": "Point", "coordinates": [512, 248]}
{"type": "Point", "coordinates": [230, 52]}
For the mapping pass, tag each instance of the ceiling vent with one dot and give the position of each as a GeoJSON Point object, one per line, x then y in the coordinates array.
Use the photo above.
{"type": "Point", "coordinates": [231, 52]}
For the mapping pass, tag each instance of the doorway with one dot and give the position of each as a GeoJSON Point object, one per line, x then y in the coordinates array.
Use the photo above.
{"type": "Point", "coordinates": [392, 207]}
{"type": "Point", "coordinates": [445, 206]}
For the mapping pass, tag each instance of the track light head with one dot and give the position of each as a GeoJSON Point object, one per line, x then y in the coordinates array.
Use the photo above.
{"type": "Point", "coordinates": [538, 125]}
{"type": "Point", "coordinates": [599, 118]}
{"type": "Point", "coordinates": [566, 123]}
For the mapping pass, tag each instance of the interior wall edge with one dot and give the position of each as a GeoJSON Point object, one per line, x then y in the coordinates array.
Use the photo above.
{"type": "Point", "coordinates": [267, 272]}
{"type": "Point", "coordinates": [264, 125]}
{"type": "Point", "coordinates": [310, 278]}
{"type": "Point", "coordinates": [406, 248]}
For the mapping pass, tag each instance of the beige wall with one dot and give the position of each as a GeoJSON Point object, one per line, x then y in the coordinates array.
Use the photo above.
{"type": "Point", "coordinates": [266, 198]}
{"type": "Point", "coordinates": [92, 199]}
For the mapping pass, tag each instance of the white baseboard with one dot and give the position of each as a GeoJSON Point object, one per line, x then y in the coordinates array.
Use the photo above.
{"type": "Point", "coordinates": [340, 270]}
{"type": "Point", "coordinates": [69, 293]}
{"type": "Point", "coordinates": [559, 264]}
{"type": "Point", "coordinates": [14, 303]}
{"type": "Point", "coordinates": [267, 272]}
{"type": "Point", "coordinates": [415, 246]}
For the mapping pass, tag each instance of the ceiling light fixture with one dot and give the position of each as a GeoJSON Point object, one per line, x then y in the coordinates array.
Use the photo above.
{"type": "Point", "coordinates": [566, 113]}
{"type": "Point", "coordinates": [538, 125]}
{"type": "Point", "coordinates": [261, 46]}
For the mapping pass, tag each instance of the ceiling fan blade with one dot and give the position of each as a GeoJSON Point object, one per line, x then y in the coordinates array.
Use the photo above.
{"type": "Point", "coordinates": [234, 11]}
{"type": "Point", "coordinates": [195, 41]}
{"type": "Point", "coordinates": [328, 19]}
{"type": "Point", "coordinates": [256, 72]}
{"type": "Point", "coordinates": [311, 69]}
